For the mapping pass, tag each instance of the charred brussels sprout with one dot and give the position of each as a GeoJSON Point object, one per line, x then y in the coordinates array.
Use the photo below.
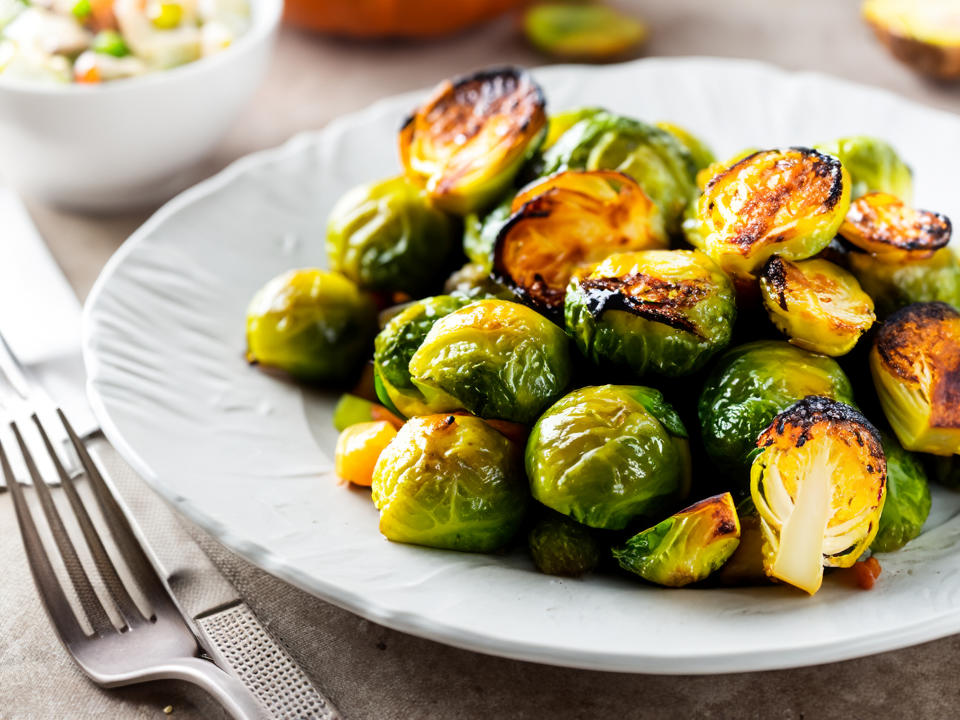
{"type": "Point", "coordinates": [466, 143]}
{"type": "Point", "coordinates": [661, 311]}
{"type": "Point", "coordinates": [494, 358]}
{"type": "Point", "coordinates": [450, 481]}
{"type": "Point", "coordinates": [750, 385]}
{"type": "Point", "coordinates": [386, 236]}
{"type": "Point", "coordinates": [566, 221]}
{"type": "Point", "coordinates": [662, 166]}
{"type": "Point", "coordinates": [873, 164]}
{"type": "Point", "coordinates": [883, 225]}
{"type": "Point", "coordinates": [701, 153]}
{"type": "Point", "coordinates": [605, 455]}
{"type": "Point", "coordinates": [480, 233]}
{"type": "Point", "coordinates": [314, 325]}
{"type": "Point", "coordinates": [894, 285]}
{"type": "Point", "coordinates": [819, 305]}
{"type": "Point", "coordinates": [561, 546]}
{"type": "Point", "coordinates": [790, 202]}
{"type": "Point", "coordinates": [818, 483]}
{"type": "Point", "coordinates": [907, 503]}
{"type": "Point", "coordinates": [686, 547]}
{"type": "Point", "coordinates": [395, 346]}
{"type": "Point", "coordinates": [915, 363]}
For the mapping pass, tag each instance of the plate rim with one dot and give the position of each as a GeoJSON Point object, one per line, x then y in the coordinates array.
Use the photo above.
{"type": "Point", "coordinates": [421, 625]}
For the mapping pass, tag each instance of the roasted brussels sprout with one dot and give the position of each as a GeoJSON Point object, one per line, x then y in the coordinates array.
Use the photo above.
{"type": "Point", "coordinates": [894, 285]}
{"type": "Point", "coordinates": [558, 124]}
{"type": "Point", "coordinates": [395, 346]}
{"type": "Point", "coordinates": [701, 153]}
{"type": "Point", "coordinates": [450, 481]}
{"type": "Point", "coordinates": [480, 233]}
{"type": "Point", "coordinates": [915, 362]}
{"type": "Point", "coordinates": [567, 221]}
{"type": "Point", "coordinates": [587, 32]}
{"type": "Point", "coordinates": [353, 410]}
{"type": "Point", "coordinates": [789, 202]}
{"type": "Point", "coordinates": [661, 311]}
{"type": "Point", "coordinates": [873, 164]}
{"type": "Point", "coordinates": [817, 304]}
{"type": "Point", "coordinates": [686, 547]}
{"type": "Point", "coordinates": [924, 35]}
{"type": "Point", "coordinates": [605, 455]}
{"type": "Point", "coordinates": [494, 358]}
{"type": "Point", "coordinates": [749, 385]}
{"type": "Point", "coordinates": [386, 236]}
{"type": "Point", "coordinates": [561, 546]}
{"type": "Point", "coordinates": [907, 503]}
{"type": "Point", "coordinates": [883, 225]}
{"type": "Point", "coordinates": [474, 281]}
{"type": "Point", "coordinates": [314, 325]}
{"type": "Point", "coordinates": [466, 143]}
{"type": "Point", "coordinates": [818, 483]}
{"type": "Point", "coordinates": [662, 166]}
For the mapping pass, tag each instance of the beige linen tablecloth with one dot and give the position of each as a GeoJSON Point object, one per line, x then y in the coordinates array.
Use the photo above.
{"type": "Point", "coordinates": [370, 671]}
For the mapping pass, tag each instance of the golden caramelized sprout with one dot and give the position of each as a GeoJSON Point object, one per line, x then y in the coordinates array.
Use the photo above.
{"type": "Point", "coordinates": [817, 304]}
{"type": "Point", "coordinates": [915, 363]}
{"type": "Point", "coordinates": [818, 483]}
{"type": "Point", "coordinates": [789, 202]}
{"type": "Point", "coordinates": [568, 221]}
{"type": "Point", "coordinates": [883, 225]}
{"type": "Point", "coordinates": [466, 143]}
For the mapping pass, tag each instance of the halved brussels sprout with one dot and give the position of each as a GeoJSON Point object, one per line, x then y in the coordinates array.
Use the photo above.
{"type": "Point", "coordinates": [907, 505]}
{"type": "Point", "coordinates": [567, 221]}
{"type": "Point", "coordinates": [480, 233]}
{"type": "Point", "coordinates": [450, 481]}
{"type": "Point", "coordinates": [686, 547]}
{"type": "Point", "coordinates": [894, 285]}
{"type": "Point", "coordinates": [559, 123]}
{"type": "Point", "coordinates": [605, 455]}
{"type": "Point", "coordinates": [314, 325]}
{"type": "Point", "coordinates": [924, 35]}
{"type": "Point", "coordinates": [701, 153]}
{"type": "Point", "coordinates": [662, 166]}
{"type": "Point", "coordinates": [789, 202]}
{"type": "Point", "coordinates": [585, 32]}
{"type": "Point", "coordinates": [873, 164]}
{"type": "Point", "coordinates": [466, 143]}
{"type": "Point", "coordinates": [495, 359]}
{"type": "Point", "coordinates": [915, 363]}
{"type": "Point", "coordinates": [386, 236]}
{"type": "Point", "coordinates": [818, 483]}
{"type": "Point", "coordinates": [882, 224]}
{"type": "Point", "coordinates": [397, 343]}
{"type": "Point", "coordinates": [561, 546]}
{"type": "Point", "coordinates": [749, 385]}
{"type": "Point", "coordinates": [817, 304]}
{"type": "Point", "coordinates": [661, 311]}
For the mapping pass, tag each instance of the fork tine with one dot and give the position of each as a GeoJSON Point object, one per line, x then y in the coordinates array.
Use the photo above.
{"type": "Point", "coordinates": [124, 536]}
{"type": "Point", "coordinates": [54, 599]}
{"type": "Point", "coordinates": [91, 604]}
{"type": "Point", "coordinates": [118, 591]}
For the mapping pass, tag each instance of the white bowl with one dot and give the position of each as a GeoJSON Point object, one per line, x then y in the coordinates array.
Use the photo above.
{"type": "Point", "coordinates": [129, 143]}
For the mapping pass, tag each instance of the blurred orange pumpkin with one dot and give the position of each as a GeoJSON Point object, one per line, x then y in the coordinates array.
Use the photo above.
{"type": "Point", "coordinates": [393, 18]}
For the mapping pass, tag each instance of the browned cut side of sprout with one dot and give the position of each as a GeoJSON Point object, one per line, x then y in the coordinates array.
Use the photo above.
{"type": "Point", "coordinates": [882, 224]}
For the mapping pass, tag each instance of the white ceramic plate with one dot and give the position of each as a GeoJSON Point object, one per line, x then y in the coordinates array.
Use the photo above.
{"type": "Point", "coordinates": [249, 458]}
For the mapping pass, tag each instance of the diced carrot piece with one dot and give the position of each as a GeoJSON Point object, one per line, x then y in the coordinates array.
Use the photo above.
{"type": "Point", "coordinates": [358, 448]}
{"type": "Point", "coordinates": [864, 573]}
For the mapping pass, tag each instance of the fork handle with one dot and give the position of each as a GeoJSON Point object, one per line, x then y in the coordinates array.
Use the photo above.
{"type": "Point", "coordinates": [232, 694]}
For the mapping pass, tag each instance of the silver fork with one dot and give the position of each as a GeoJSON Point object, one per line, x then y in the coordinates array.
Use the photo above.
{"type": "Point", "coordinates": [152, 645]}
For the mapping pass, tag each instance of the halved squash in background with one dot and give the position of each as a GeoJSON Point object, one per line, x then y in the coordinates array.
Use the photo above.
{"type": "Point", "coordinates": [924, 34]}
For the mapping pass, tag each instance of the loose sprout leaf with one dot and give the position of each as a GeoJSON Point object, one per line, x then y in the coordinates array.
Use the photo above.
{"type": "Point", "coordinates": [467, 142]}
{"type": "Point", "coordinates": [819, 487]}
{"type": "Point", "coordinates": [915, 362]}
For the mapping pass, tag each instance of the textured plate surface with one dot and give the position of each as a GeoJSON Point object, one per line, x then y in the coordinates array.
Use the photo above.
{"type": "Point", "coordinates": [249, 457]}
